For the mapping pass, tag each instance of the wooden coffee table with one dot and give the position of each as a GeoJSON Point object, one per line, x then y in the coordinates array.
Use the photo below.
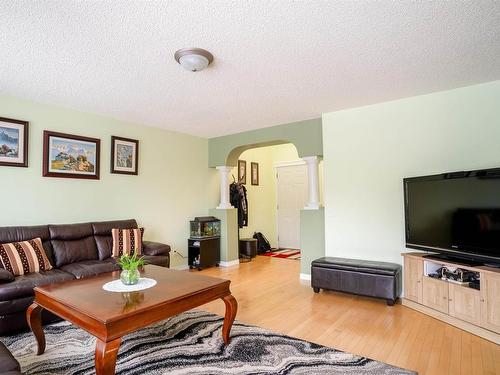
{"type": "Point", "coordinates": [110, 315]}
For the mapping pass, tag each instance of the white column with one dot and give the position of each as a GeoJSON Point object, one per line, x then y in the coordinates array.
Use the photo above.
{"type": "Point", "coordinates": [313, 180]}
{"type": "Point", "coordinates": [224, 187]}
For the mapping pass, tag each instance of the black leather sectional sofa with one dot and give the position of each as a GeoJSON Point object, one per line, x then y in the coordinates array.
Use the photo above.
{"type": "Point", "coordinates": [75, 251]}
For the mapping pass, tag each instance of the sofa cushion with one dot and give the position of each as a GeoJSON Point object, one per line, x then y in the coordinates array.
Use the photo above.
{"type": "Point", "coordinates": [7, 361]}
{"type": "Point", "coordinates": [73, 243]}
{"type": "Point", "coordinates": [103, 237]}
{"type": "Point", "coordinates": [127, 241]}
{"type": "Point", "coordinates": [16, 234]}
{"type": "Point", "coordinates": [17, 305]}
{"type": "Point", "coordinates": [23, 286]}
{"type": "Point", "coordinates": [91, 268]}
{"type": "Point", "coordinates": [24, 257]}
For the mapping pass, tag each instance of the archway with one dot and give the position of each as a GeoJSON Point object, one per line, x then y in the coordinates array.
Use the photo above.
{"type": "Point", "coordinates": [306, 136]}
{"type": "Point", "coordinates": [265, 192]}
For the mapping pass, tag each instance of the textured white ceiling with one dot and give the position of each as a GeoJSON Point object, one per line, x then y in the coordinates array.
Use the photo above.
{"type": "Point", "coordinates": [275, 61]}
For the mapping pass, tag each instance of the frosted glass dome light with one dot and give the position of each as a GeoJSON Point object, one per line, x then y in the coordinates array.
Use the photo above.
{"type": "Point", "coordinates": [193, 59]}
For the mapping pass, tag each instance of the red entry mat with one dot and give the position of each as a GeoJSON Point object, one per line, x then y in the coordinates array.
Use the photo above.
{"type": "Point", "coordinates": [284, 253]}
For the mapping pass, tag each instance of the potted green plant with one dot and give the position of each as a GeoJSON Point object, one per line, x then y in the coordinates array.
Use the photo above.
{"type": "Point", "coordinates": [130, 273]}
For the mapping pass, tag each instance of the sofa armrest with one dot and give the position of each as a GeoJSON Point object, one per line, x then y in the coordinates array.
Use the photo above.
{"type": "Point", "coordinates": [5, 276]}
{"type": "Point", "coordinates": [155, 248]}
{"type": "Point", "coordinates": [8, 364]}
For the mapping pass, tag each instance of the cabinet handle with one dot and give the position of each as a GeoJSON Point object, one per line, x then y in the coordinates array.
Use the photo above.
{"type": "Point", "coordinates": [418, 281]}
{"type": "Point", "coordinates": [450, 300]}
{"type": "Point", "coordinates": [444, 298]}
{"type": "Point", "coordinates": [482, 300]}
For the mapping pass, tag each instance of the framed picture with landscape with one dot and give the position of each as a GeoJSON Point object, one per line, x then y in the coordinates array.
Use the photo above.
{"type": "Point", "coordinates": [124, 155]}
{"type": "Point", "coordinates": [13, 142]}
{"type": "Point", "coordinates": [70, 156]}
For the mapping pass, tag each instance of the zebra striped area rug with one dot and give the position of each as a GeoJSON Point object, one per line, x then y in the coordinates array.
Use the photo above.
{"type": "Point", "coordinates": [190, 343]}
{"type": "Point", "coordinates": [293, 254]}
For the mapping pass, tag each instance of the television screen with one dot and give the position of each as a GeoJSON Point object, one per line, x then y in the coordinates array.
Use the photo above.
{"type": "Point", "coordinates": [455, 213]}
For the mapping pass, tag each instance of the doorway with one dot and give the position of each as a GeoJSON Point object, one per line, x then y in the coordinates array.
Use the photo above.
{"type": "Point", "coordinates": [262, 197]}
{"type": "Point", "coordinates": [291, 197]}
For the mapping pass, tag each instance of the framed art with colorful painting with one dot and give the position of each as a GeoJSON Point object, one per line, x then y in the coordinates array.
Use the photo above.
{"type": "Point", "coordinates": [124, 155]}
{"type": "Point", "coordinates": [13, 142]}
{"type": "Point", "coordinates": [70, 156]}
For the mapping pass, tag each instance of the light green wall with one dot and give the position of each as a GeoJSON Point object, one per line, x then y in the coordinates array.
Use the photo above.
{"type": "Point", "coordinates": [174, 184]}
{"type": "Point", "coordinates": [229, 235]}
{"type": "Point", "coordinates": [369, 150]}
{"type": "Point", "coordinates": [305, 135]}
{"type": "Point", "coordinates": [312, 238]}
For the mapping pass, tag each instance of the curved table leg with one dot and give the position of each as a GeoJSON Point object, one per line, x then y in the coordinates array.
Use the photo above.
{"type": "Point", "coordinates": [34, 318]}
{"type": "Point", "coordinates": [105, 356]}
{"type": "Point", "coordinates": [231, 309]}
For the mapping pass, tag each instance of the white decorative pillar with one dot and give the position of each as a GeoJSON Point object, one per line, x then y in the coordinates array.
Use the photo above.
{"type": "Point", "coordinates": [313, 180]}
{"type": "Point", "coordinates": [224, 187]}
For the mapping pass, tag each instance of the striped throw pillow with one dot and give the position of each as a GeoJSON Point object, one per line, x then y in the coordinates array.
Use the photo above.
{"type": "Point", "coordinates": [126, 241]}
{"type": "Point", "coordinates": [20, 258]}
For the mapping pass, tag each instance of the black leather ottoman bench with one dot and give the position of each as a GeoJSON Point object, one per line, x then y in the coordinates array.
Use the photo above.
{"type": "Point", "coordinates": [363, 277]}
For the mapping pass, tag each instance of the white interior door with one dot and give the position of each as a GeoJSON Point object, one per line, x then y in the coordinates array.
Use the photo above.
{"type": "Point", "coordinates": [291, 198]}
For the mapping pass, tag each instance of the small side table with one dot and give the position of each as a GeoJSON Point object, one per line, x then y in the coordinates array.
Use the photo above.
{"type": "Point", "coordinates": [248, 247]}
{"type": "Point", "coordinates": [203, 252]}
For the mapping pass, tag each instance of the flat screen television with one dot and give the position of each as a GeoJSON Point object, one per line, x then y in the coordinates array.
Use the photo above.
{"type": "Point", "coordinates": [455, 214]}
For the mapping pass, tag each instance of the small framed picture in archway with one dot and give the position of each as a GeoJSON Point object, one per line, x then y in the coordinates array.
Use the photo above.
{"type": "Point", "coordinates": [254, 168]}
{"type": "Point", "coordinates": [242, 172]}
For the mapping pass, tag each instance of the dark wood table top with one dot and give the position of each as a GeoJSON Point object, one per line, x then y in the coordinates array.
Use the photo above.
{"type": "Point", "coordinates": [87, 296]}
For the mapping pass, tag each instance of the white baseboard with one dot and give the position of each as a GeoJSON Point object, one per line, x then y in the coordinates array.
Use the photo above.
{"type": "Point", "coordinates": [181, 267]}
{"type": "Point", "coordinates": [305, 276]}
{"type": "Point", "coordinates": [230, 263]}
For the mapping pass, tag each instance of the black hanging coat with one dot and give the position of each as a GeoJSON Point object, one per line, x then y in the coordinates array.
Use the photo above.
{"type": "Point", "coordinates": [238, 198]}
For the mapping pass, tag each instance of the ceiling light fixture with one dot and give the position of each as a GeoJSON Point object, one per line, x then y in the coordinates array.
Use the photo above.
{"type": "Point", "coordinates": [193, 59]}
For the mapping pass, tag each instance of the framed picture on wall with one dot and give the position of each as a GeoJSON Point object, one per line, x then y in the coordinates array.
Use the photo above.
{"type": "Point", "coordinates": [242, 171]}
{"type": "Point", "coordinates": [254, 168]}
{"type": "Point", "coordinates": [124, 155]}
{"type": "Point", "coordinates": [13, 142]}
{"type": "Point", "coordinates": [70, 156]}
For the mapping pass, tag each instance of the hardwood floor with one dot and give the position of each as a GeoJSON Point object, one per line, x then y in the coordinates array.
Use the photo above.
{"type": "Point", "coordinates": [270, 295]}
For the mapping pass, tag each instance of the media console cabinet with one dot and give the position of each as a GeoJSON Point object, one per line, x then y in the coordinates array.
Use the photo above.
{"type": "Point", "coordinates": [472, 310]}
